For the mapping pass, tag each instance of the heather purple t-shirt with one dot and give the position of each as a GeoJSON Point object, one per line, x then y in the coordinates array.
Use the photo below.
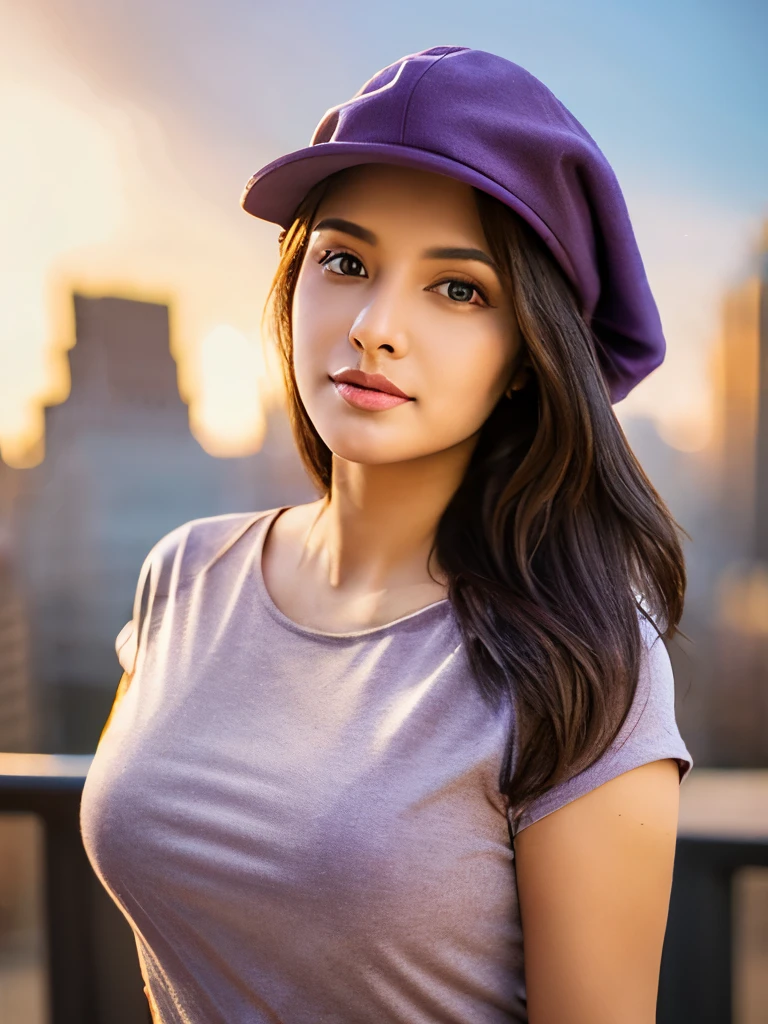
{"type": "Point", "coordinates": [305, 827]}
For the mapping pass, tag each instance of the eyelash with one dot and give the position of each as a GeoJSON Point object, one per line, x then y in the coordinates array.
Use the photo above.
{"type": "Point", "coordinates": [330, 254]}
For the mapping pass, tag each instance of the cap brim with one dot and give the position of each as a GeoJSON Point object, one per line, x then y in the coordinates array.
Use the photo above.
{"type": "Point", "coordinates": [275, 191]}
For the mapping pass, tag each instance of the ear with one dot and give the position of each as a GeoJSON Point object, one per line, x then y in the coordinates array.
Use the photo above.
{"type": "Point", "coordinates": [519, 379]}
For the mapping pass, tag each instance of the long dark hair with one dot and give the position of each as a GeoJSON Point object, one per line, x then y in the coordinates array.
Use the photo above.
{"type": "Point", "coordinates": [556, 542]}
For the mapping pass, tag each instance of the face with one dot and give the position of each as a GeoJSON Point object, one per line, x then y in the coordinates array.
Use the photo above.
{"type": "Point", "coordinates": [379, 291]}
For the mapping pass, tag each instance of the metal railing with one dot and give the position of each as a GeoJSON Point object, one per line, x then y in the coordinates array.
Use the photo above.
{"type": "Point", "coordinates": [723, 828]}
{"type": "Point", "coordinates": [93, 968]}
{"type": "Point", "coordinates": [696, 981]}
{"type": "Point", "coordinates": [93, 971]}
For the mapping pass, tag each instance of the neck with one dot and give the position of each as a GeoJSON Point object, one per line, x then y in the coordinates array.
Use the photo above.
{"type": "Point", "coordinates": [375, 529]}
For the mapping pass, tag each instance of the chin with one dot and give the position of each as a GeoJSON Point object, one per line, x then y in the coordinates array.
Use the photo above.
{"type": "Point", "coordinates": [365, 453]}
{"type": "Point", "coordinates": [379, 451]}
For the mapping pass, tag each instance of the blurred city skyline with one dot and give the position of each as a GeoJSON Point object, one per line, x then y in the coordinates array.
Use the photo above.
{"type": "Point", "coordinates": [131, 133]}
{"type": "Point", "coordinates": [123, 468]}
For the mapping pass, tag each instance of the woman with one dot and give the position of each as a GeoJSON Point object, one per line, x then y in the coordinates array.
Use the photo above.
{"type": "Point", "coordinates": [408, 753]}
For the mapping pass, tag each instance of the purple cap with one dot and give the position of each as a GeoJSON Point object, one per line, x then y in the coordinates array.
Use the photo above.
{"type": "Point", "coordinates": [477, 117]}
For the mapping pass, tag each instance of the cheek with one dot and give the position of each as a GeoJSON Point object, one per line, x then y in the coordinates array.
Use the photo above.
{"type": "Point", "coordinates": [316, 328]}
{"type": "Point", "coordinates": [306, 314]}
{"type": "Point", "coordinates": [466, 371]}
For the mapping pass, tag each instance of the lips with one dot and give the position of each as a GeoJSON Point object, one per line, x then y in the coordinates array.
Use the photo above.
{"type": "Point", "coordinates": [372, 381]}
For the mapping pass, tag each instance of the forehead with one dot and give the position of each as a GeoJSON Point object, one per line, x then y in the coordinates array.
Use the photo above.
{"type": "Point", "coordinates": [391, 194]}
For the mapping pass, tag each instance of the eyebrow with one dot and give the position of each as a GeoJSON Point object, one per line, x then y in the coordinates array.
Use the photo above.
{"type": "Point", "coordinates": [436, 253]}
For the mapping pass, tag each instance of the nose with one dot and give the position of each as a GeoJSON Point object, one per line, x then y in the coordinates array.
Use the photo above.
{"type": "Point", "coordinates": [381, 323]}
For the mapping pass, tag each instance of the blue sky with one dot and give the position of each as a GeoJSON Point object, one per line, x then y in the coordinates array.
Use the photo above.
{"type": "Point", "coordinates": [673, 90]}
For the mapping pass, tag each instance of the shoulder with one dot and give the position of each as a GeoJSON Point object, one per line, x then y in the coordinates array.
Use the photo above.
{"type": "Point", "coordinates": [649, 733]}
{"type": "Point", "coordinates": [653, 707]}
{"type": "Point", "coordinates": [190, 548]}
{"type": "Point", "coordinates": [177, 558]}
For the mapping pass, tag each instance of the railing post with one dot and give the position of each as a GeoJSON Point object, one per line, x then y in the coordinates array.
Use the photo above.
{"type": "Point", "coordinates": [93, 969]}
{"type": "Point", "coordinates": [696, 983]}
{"type": "Point", "coordinates": [69, 916]}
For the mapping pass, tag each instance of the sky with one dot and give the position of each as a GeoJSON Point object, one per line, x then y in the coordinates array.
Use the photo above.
{"type": "Point", "coordinates": [131, 130]}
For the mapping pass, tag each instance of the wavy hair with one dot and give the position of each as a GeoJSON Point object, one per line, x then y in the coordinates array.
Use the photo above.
{"type": "Point", "coordinates": [555, 543]}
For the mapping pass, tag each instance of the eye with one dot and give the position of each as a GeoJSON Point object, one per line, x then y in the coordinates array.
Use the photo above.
{"type": "Point", "coordinates": [347, 264]}
{"type": "Point", "coordinates": [346, 258]}
{"type": "Point", "coordinates": [465, 288]}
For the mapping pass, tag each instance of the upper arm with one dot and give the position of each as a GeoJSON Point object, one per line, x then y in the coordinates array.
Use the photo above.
{"type": "Point", "coordinates": [594, 880]}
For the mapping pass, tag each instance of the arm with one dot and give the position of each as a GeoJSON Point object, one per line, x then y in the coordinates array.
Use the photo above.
{"type": "Point", "coordinates": [594, 880]}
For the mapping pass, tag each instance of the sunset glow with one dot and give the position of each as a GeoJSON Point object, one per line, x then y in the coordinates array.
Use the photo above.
{"type": "Point", "coordinates": [100, 206]}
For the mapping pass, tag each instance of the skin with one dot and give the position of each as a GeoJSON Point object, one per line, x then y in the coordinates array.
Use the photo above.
{"type": "Point", "coordinates": [594, 881]}
{"type": "Point", "coordinates": [594, 877]}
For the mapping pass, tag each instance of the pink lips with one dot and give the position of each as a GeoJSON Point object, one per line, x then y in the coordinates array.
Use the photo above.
{"type": "Point", "coordinates": [364, 398]}
{"type": "Point", "coordinates": [371, 391]}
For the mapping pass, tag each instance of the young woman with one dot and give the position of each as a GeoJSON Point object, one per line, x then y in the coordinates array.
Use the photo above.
{"type": "Point", "coordinates": [408, 753]}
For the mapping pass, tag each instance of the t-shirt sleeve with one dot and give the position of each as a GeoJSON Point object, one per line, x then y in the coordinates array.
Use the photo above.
{"type": "Point", "coordinates": [126, 646]}
{"type": "Point", "coordinates": [173, 562]}
{"type": "Point", "coordinates": [649, 733]}
{"type": "Point", "coordinates": [152, 586]}
{"type": "Point", "coordinates": [127, 640]}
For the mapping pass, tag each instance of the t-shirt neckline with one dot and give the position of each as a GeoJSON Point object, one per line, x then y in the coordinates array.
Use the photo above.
{"type": "Point", "coordinates": [281, 618]}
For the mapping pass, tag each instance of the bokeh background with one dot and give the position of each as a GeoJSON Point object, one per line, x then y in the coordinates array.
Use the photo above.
{"type": "Point", "coordinates": [137, 392]}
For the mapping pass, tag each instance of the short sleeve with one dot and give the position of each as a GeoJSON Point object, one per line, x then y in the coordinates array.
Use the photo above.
{"type": "Point", "coordinates": [649, 733]}
{"type": "Point", "coordinates": [173, 562]}
{"type": "Point", "coordinates": [127, 641]}
{"type": "Point", "coordinates": [126, 647]}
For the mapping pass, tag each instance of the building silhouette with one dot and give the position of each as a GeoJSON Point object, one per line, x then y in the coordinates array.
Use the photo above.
{"type": "Point", "coordinates": [17, 711]}
{"type": "Point", "coordinates": [686, 482]}
{"type": "Point", "coordinates": [742, 412]}
{"type": "Point", "coordinates": [121, 469]}
{"type": "Point", "coordinates": [740, 668]}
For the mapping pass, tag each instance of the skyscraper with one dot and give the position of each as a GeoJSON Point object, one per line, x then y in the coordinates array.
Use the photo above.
{"type": "Point", "coordinates": [17, 699]}
{"type": "Point", "coordinates": [742, 411]}
{"type": "Point", "coordinates": [739, 706]}
{"type": "Point", "coordinates": [121, 470]}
